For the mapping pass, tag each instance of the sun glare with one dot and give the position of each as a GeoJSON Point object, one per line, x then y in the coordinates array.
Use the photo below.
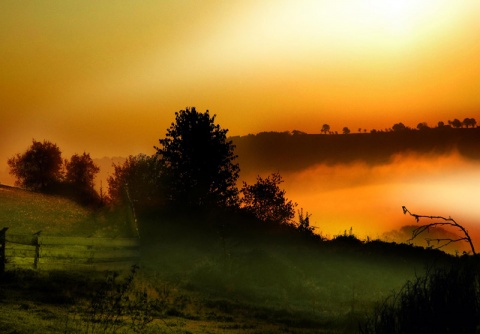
{"type": "Point", "coordinates": [399, 17]}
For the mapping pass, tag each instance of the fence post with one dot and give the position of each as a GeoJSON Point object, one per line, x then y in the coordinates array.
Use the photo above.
{"type": "Point", "coordinates": [37, 249]}
{"type": "Point", "coordinates": [2, 249]}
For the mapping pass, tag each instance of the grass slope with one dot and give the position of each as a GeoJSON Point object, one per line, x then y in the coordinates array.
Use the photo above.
{"type": "Point", "coordinates": [211, 273]}
{"type": "Point", "coordinates": [25, 212]}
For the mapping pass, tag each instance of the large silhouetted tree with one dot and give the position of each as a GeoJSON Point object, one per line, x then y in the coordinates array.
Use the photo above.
{"type": "Point", "coordinates": [325, 128]}
{"type": "Point", "coordinates": [346, 131]}
{"type": "Point", "coordinates": [39, 168]}
{"type": "Point", "coordinates": [267, 201]}
{"type": "Point", "coordinates": [199, 161]}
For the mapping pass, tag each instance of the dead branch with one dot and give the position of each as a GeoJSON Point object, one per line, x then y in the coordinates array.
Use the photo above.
{"type": "Point", "coordinates": [441, 242]}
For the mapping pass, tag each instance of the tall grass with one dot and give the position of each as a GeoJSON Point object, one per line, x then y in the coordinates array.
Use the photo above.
{"type": "Point", "coordinates": [445, 300]}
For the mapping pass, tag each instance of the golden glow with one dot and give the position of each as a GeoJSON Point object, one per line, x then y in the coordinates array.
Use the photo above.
{"type": "Point", "coordinates": [107, 77]}
{"type": "Point", "coordinates": [370, 198]}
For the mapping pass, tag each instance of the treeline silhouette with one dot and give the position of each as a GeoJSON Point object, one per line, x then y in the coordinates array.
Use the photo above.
{"type": "Point", "coordinates": [288, 151]}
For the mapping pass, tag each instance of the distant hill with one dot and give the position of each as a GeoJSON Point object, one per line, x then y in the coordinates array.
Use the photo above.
{"type": "Point", "coordinates": [288, 152]}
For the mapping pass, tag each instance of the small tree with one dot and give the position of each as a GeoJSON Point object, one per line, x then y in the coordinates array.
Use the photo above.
{"type": "Point", "coordinates": [79, 177]}
{"type": "Point", "coordinates": [266, 201]}
{"type": "Point", "coordinates": [467, 122]}
{"type": "Point", "coordinates": [399, 127]}
{"type": "Point", "coordinates": [325, 128]}
{"type": "Point", "coordinates": [39, 168]}
{"type": "Point", "coordinates": [81, 171]}
{"type": "Point", "coordinates": [346, 131]}
{"type": "Point", "coordinates": [422, 126]}
{"type": "Point", "coordinates": [456, 123]}
{"type": "Point", "coordinates": [140, 175]}
{"type": "Point", "coordinates": [304, 223]}
{"type": "Point", "coordinates": [198, 161]}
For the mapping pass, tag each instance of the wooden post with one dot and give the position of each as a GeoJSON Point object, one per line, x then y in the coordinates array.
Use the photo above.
{"type": "Point", "coordinates": [2, 249]}
{"type": "Point", "coordinates": [37, 249]}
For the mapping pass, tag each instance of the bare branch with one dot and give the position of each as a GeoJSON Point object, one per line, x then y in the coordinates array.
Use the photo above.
{"type": "Point", "coordinates": [444, 222]}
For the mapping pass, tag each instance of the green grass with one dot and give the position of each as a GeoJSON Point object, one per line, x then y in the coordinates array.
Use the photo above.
{"type": "Point", "coordinates": [25, 212]}
{"type": "Point", "coordinates": [282, 280]}
{"type": "Point", "coordinates": [210, 273]}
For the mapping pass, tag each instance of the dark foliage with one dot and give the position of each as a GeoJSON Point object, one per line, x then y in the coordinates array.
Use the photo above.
{"type": "Point", "coordinates": [79, 177]}
{"type": "Point", "coordinates": [39, 168]}
{"type": "Point", "coordinates": [199, 161]}
{"type": "Point", "coordinates": [42, 169]}
{"type": "Point", "coordinates": [267, 202]}
{"type": "Point", "coordinates": [141, 176]}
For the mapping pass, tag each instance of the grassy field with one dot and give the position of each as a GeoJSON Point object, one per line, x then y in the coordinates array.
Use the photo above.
{"type": "Point", "coordinates": [24, 212]}
{"type": "Point", "coordinates": [218, 277]}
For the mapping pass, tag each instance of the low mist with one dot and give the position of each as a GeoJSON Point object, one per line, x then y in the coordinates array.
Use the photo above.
{"type": "Point", "coordinates": [369, 198]}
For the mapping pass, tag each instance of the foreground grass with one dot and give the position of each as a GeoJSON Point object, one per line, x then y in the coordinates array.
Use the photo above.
{"type": "Point", "coordinates": [275, 276]}
{"type": "Point", "coordinates": [209, 273]}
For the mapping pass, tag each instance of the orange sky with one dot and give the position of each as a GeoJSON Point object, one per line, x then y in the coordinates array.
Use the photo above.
{"type": "Point", "coordinates": [107, 77]}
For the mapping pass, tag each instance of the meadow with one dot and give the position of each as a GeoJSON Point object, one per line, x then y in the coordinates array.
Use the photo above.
{"type": "Point", "coordinates": [204, 273]}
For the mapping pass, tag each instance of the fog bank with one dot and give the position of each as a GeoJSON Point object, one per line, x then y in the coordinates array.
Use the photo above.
{"type": "Point", "coordinates": [369, 198]}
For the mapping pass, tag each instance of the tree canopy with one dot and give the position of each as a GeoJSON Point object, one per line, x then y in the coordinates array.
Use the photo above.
{"type": "Point", "coordinates": [140, 175]}
{"type": "Point", "coordinates": [81, 171]}
{"type": "Point", "coordinates": [199, 161]}
{"type": "Point", "coordinates": [266, 201]}
{"type": "Point", "coordinates": [39, 168]}
{"type": "Point", "coordinates": [79, 178]}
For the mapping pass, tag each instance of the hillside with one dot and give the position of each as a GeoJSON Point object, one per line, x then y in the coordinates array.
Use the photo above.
{"type": "Point", "coordinates": [286, 152]}
{"type": "Point", "coordinates": [217, 272]}
{"type": "Point", "coordinates": [25, 212]}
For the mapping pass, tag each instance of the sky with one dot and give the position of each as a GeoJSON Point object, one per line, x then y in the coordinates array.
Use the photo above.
{"type": "Point", "coordinates": [107, 77]}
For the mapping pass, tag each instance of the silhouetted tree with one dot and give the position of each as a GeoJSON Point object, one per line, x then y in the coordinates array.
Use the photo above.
{"type": "Point", "coordinates": [345, 130]}
{"type": "Point", "coordinates": [81, 171]}
{"type": "Point", "coordinates": [325, 128]}
{"type": "Point", "coordinates": [39, 168]}
{"type": "Point", "coordinates": [267, 201]}
{"type": "Point", "coordinates": [399, 127]}
{"type": "Point", "coordinates": [440, 124]}
{"type": "Point", "coordinates": [456, 123]}
{"type": "Point", "coordinates": [304, 223]}
{"type": "Point", "coordinates": [79, 177]}
{"type": "Point", "coordinates": [423, 126]}
{"type": "Point", "coordinates": [199, 161]}
{"type": "Point", "coordinates": [140, 175]}
{"type": "Point", "coordinates": [467, 122]}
